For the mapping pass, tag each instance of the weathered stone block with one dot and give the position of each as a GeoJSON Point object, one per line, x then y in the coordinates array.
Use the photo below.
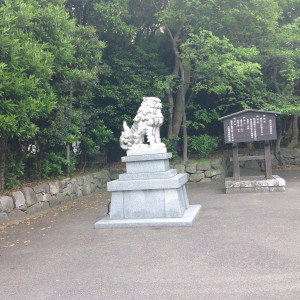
{"type": "Point", "coordinates": [43, 188]}
{"type": "Point", "coordinates": [43, 197]}
{"type": "Point", "coordinates": [63, 198]}
{"type": "Point", "coordinates": [80, 180]}
{"type": "Point", "coordinates": [212, 173]}
{"type": "Point", "coordinates": [73, 181]}
{"type": "Point", "coordinates": [6, 204]}
{"type": "Point", "coordinates": [54, 201]}
{"type": "Point", "coordinates": [16, 215]}
{"type": "Point", "coordinates": [93, 187]}
{"type": "Point", "coordinates": [68, 190]}
{"type": "Point", "coordinates": [19, 199]}
{"type": "Point", "coordinates": [180, 168]}
{"type": "Point", "coordinates": [196, 177]}
{"type": "Point", "coordinates": [104, 176]}
{"type": "Point", "coordinates": [30, 196]}
{"type": "Point", "coordinates": [54, 187]}
{"type": "Point", "coordinates": [22, 207]}
{"type": "Point", "coordinates": [204, 166]}
{"type": "Point", "coordinates": [277, 188]}
{"type": "Point", "coordinates": [63, 184]}
{"type": "Point", "coordinates": [218, 178]}
{"type": "Point", "coordinates": [88, 179]}
{"type": "Point", "coordinates": [191, 168]}
{"type": "Point", "coordinates": [86, 190]}
{"type": "Point", "coordinates": [44, 205]}
{"type": "Point", "coordinates": [77, 190]}
{"type": "Point", "coordinates": [218, 164]}
{"type": "Point", "coordinates": [258, 189]}
{"type": "Point", "coordinates": [34, 209]}
{"type": "Point", "coordinates": [3, 217]}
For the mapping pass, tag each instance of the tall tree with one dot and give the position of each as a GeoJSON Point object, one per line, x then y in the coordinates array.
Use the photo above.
{"type": "Point", "coordinates": [26, 67]}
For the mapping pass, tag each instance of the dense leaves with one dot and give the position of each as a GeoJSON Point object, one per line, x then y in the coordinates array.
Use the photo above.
{"type": "Point", "coordinates": [72, 71]}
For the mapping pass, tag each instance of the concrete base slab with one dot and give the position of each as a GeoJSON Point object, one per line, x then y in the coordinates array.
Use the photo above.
{"type": "Point", "coordinates": [186, 220]}
{"type": "Point", "coordinates": [255, 184]}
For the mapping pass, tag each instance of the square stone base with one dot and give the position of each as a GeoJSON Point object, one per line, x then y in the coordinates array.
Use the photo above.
{"type": "Point", "coordinates": [186, 220]}
{"type": "Point", "coordinates": [255, 184]}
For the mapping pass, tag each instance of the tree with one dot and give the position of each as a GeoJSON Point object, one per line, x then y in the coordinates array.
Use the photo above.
{"type": "Point", "coordinates": [49, 68]}
{"type": "Point", "coordinates": [220, 67]}
{"type": "Point", "coordinates": [281, 64]}
{"type": "Point", "coordinates": [26, 67]}
{"type": "Point", "coordinates": [132, 69]}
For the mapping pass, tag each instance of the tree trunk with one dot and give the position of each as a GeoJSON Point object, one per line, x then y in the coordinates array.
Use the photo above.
{"type": "Point", "coordinates": [179, 115]}
{"type": "Point", "coordinates": [185, 138]}
{"type": "Point", "coordinates": [68, 159]}
{"type": "Point", "coordinates": [294, 134]}
{"type": "Point", "coordinates": [171, 107]}
{"type": "Point", "coordinates": [277, 151]}
{"type": "Point", "coordinates": [68, 144]}
{"type": "Point", "coordinates": [3, 147]}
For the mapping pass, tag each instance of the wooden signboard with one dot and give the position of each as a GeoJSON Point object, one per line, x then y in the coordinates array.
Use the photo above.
{"type": "Point", "coordinates": [250, 125]}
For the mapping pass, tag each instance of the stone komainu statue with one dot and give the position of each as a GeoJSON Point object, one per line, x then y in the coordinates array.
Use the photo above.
{"type": "Point", "coordinates": [146, 122]}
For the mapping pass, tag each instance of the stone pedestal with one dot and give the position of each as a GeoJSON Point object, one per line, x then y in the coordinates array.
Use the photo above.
{"type": "Point", "coordinates": [149, 194]}
{"type": "Point", "coordinates": [255, 184]}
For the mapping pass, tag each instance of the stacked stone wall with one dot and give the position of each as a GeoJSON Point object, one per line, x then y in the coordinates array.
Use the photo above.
{"type": "Point", "coordinates": [204, 171]}
{"type": "Point", "coordinates": [35, 199]}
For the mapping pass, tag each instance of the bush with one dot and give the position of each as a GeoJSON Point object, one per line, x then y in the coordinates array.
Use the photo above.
{"type": "Point", "coordinates": [48, 165]}
{"type": "Point", "coordinates": [172, 145]}
{"type": "Point", "coordinates": [203, 144]}
{"type": "Point", "coordinates": [14, 168]}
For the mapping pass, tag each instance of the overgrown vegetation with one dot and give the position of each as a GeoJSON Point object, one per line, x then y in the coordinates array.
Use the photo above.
{"type": "Point", "coordinates": [72, 71]}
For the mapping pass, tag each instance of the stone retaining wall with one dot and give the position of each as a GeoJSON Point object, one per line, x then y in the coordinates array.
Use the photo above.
{"type": "Point", "coordinates": [32, 200]}
{"type": "Point", "coordinates": [204, 171]}
{"type": "Point", "coordinates": [288, 156]}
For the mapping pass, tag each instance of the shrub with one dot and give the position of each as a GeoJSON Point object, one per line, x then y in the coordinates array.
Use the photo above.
{"type": "Point", "coordinates": [171, 145]}
{"type": "Point", "coordinates": [203, 144]}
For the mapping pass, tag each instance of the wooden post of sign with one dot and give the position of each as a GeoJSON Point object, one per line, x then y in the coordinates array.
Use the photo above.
{"type": "Point", "coordinates": [236, 165]}
{"type": "Point", "coordinates": [268, 163]}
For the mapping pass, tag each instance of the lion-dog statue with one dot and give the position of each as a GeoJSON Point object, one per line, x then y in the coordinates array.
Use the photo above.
{"type": "Point", "coordinates": [147, 122]}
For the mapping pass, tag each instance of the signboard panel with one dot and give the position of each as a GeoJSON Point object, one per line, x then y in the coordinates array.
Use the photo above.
{"type": "Point", "coordinates": [249, 126]}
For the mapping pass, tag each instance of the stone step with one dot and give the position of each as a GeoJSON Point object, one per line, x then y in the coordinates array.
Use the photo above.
{"type": "Point", "coordinates": [167, 183]}
{"type": "Point", "coordinates": [148, 175]}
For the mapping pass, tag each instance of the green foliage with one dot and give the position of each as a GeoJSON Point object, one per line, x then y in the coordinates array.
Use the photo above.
{"type": "Point", "coordinates": [203, 144]}
{"type": "Point", "coordinates": [26, 67]}
{"type": "Point", "coordinates": [171, 145]}
{"type": "Point", "coordinates": [48, 164]}
{"type": "Point", "coordinates": [96, 138]}
{"type": "Point", "coordinates": [14, 168]}
{"type": "Point", "coordinates": [60, 83]}
{"type": "Point", "coordinates": [222, 69]}
{"type": "Point", "coordinates": [201, 116]}
{"type": "Point", "coordinates": [134, 74]}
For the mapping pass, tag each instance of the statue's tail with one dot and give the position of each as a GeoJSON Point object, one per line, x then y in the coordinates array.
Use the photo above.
{"type": "Point", "coordinates": [125, 137]}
